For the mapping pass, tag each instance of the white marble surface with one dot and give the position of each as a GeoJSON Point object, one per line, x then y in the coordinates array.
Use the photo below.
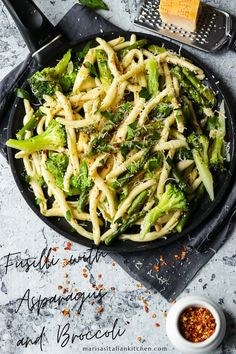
{"type": "Point", "coordinates": [21, 231]}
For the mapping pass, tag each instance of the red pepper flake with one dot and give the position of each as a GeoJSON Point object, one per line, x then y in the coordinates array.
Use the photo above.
{"type": "Point", "coordinates": [100, 286]}
{"type": "Point", "coordinates": [146, 309]}
{"type": "Point", "coordinates": [65, 290]}
{"type": "Point", "coordinates": [139, 339]}
{"type": "Point", "coordinates": [54, 248]}
{"type": "Point", "coordinates": [85, 275]}
{"type": "Point", "coordinates": [113, 264]}
{"type": "Point", "coordinates": [156, 268]}
{"type": "Point", "coordinates": [197, 324]}
{"type": "Point", "coordinates": [85, 270]}
{"type": "Point", "coordinates": [116, 145]}
{"type": "Point", "coordinates": [65, 262]}
{"type": "Point", "coordinates": [45, 260]}
{"type": "Point", "coordinates": [68, 246]}
{"type": "Point", "coordinates": [59, 287]}
{"type": "Point", "coordinates": [66, 312]}
{"type": "Point", "coordinates": [184, 253]}
{"type": "Point", "coordinates": [157, 324]}
{"type": "Point", "coordinates": [100, 309]}
{"type": "Point", "coordinates": [99, 276]}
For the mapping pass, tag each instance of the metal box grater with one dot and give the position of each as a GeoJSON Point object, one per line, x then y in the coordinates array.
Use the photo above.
{"type": "Point", "coordinates": [215, 27]}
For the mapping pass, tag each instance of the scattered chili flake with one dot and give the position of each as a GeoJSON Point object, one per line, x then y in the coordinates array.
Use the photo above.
{"type": "Point", "coordinates": [65, 290]}
{"type": "Point", "coordinates": [99, 286]}
{"type": "Point", "coordinates": [146, 309]}
{"type": "Point", "coordinates": [184, 253]}
{"type": "Point", "coordinates": [154, 315]}
{"type": "Point", "coordinates": [113, 264]}
{"type": "Point", "coordinates": [66, 312]}
{"type": "Point", "coordinates": [93, 285]}
{"type": "Point", "coordinates": [54, 248]}
{"type": "Point", "coordinates": [59, 287]}
{"type": "Point", "coordinates": [85, 275]}
{"type": "Point", "coordinates": [45, 260]}
{"type": "Point", "coordinates": [197, 324]}
{"type": "Point", "coordinates": [157, 324]}
{"type": "Point", "coordinates": [68, 246]}
{"type": "Point", "coordinates": [145, 302]}
{"type": "Point", "coordinates": [99, 276]}
{"type": "Point", "coordinates": [85, 270]}
{"type": "Point", "coordinates": [139, 339]}
{"type": "Point", "coordinates": [65, 262]}
{"type": "Point", "coordinates": [65, 275]}
{"type": "Point", "coordinates": [156, 267]}
{"type": "Point", "coordinates": [100, 309]}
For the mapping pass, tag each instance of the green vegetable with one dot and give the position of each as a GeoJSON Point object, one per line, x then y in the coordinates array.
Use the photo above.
{"type": "Point", "coordinates": [178, 177]}
{"type": "Point", "coordinates": [137, 45]}
{"type": "Point", "coordinates": [217, 151]}
{"type": "Point", "coordinates": [82, 53]}
{"type": "Point", "coordinates": [187, 86]}
{"type": "Point", "coordinates": [57, 164]}
{"type": "Point", "coordinates": [155, 49]}
{"type": "Point", "coordinates": [21, 93]}
{"type": "Point", "coordinates": [154, 163]}
{"type": "Point", "coordinates": [161, 111]}
{"type": "Point", "coordinates": [138, 202]}
{"type": "Point", "coordinates": [131, 171]}
{"type": "Point", "coordinates": [46, 81]}
{"type": "Point", "coordinates": [173, 199]}
{"type": "Point", "coordinates": [92, 69]}
{"type": "Point", "coordinates": [94, 4]}
{"type": "Point", "coordinates": [84, 185]}
{"type": "Point", "coordinates": [205, 91]}
{"type": "Point", "coordinates": [29, 126]}
{"type": "Point", "coordinates": [105, 74]}
{"type": "Point", "coordinates": [128, 223]}
{"type": "Point", "coordinates": [199, 145]}
{"type": "Point", "coordinates": [144, 93]}
{"type": "Point", "coordinates": [185, 217]}
{"type": "Point", "coordinates": [153, 77]}
{"type": "Point", "coordinates": [53, 138]}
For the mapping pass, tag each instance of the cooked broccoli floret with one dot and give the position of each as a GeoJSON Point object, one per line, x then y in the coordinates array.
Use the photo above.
{"type": "Point", "coordinates": [53, 138]}
{"type": "Point", "coordinates": [83, 183]}
{"type": "Point", "coordinates": [199, 144]}
{"type": "Point", "coordinates": [217, 151]}
{"type": "Point", "coordinates": [57, 164]}
{"type": "Point", "coordinates": [183, 154]}
{"type": "Point", "coordinates": [172, 199]}
{"type": "Point", "coordinates": [47, 81]}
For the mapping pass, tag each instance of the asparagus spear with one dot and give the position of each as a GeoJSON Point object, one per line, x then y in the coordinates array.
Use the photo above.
{"type": "Point", "coordinates": [138, 203]}
{"type": "Point", "coordinates": [178, 177]}
{"type": "Point", "coordinates": [84, 183]}
{"type": "Point", "coordinates": [105, 74]}
{"type": "Point", "coordinates": [187, 86]}
{"type": "Point", "coordinates": [137, 45]}
{"type": "Point", "coordinates": [155, 49]}
{"type": "Point", "coordinates": [205, 91]}
{"type": "Point", "coordinates": [132, 170]}
{"type": "Point", "coordinates": [29, 126]}
{"type": "Point", "coordinates": [153, 76]}
{"type": "Point", "coordinates": [128, 223]}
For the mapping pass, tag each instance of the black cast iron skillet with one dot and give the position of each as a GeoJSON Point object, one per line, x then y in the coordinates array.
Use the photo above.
{"type": "Point", "coordinates": [46, 45]}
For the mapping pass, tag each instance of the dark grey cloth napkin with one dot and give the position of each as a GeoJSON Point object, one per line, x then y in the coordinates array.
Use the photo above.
{"type": "Point", "coordinates": [167, 269]}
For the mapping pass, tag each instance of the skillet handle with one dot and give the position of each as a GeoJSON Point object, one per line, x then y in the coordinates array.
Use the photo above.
{"type": "Point", "coordinates": [35, 28]}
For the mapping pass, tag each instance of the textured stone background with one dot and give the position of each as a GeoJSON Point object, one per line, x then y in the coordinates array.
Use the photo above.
{"type": "Point", "coordinates": [21, 230]}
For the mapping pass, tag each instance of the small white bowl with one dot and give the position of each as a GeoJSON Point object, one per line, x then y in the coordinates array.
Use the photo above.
{"type": "Point", "coordinates": [176, 338]}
